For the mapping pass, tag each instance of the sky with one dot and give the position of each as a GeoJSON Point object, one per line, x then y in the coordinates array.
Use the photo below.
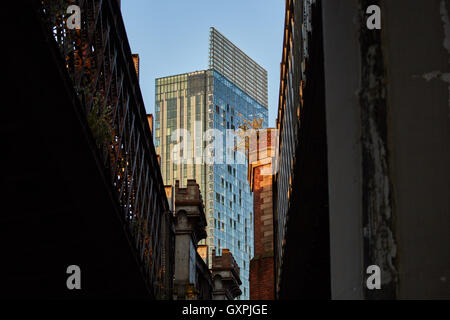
{"type": "Point", "coordinates": [172, 37]}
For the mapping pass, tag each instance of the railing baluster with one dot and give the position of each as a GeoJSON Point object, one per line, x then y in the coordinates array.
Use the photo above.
{"type": "Point", "coordinates": [106, 69]}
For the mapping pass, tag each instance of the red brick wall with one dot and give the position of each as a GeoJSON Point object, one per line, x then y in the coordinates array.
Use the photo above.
{"type": "Point", "coordinates": [262, 279]}
{"type": "Point", "coordinates": [262, 265]}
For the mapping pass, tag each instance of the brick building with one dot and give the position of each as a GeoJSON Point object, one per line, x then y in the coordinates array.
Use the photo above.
{"type": "Point", "coordinates": [136, 62]}
{"type": "Point", "coordinates": [260, 175]}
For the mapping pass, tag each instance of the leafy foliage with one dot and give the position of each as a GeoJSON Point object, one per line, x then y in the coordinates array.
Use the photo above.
{"type": "Point", "coordinates": [99, 120]}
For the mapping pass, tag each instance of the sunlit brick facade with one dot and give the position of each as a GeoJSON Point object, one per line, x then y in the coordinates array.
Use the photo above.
{"type": "Point", "coordinates": [262, 265]}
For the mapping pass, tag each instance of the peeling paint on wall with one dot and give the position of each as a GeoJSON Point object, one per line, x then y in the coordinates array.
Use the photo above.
{"type": "Point", "coordinates": [378, 218]}
{"type": "Point", "coordinates": [440, 76]}
{"type": "Point", "coordinates": [437, 74]}
{"type": "Point", "coordinates": [446, 24]}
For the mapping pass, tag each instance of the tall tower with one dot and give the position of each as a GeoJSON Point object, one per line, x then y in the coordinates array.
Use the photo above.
{"type": "Point", "coordinates": [190, 109]}
{"type": "Point", "coordinates": [237, 67]}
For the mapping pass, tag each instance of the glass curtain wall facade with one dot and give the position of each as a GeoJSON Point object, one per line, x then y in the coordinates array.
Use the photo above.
{"type": "Point", "coordinates": [180, 120]}
{"type": "Point", "coordinates": [235, 65]}
{"type": "Point", "coordinates": [230, 211]}
{"type": "Point", "coordinates": [197, 106]}
{"type": "Point", "coordinates": [186, 106]}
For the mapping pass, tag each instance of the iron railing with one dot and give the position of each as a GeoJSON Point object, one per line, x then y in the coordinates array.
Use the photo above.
{"type": "Point", "coordinates": [99, 62]}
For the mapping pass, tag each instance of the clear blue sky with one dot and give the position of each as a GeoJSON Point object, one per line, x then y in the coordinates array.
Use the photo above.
{"type": "Point", "coordinates": [171, 37]}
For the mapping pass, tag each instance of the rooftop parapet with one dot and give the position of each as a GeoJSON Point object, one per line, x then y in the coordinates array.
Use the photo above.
{"type": "Point", "coordinates": [225, 273]}
{"type": "Point", "coordinates": [189, 202]}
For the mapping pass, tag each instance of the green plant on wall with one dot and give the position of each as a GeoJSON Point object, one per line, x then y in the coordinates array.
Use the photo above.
{"type": "Point", "coordinates": [99, 120]}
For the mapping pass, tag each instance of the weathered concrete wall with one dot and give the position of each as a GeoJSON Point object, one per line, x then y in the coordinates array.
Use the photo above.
{"type": "Point", "coordinates": [388, 121]}
{"type": "Point", "coordinates": [416, 40]}
{"type": "Point", "coordinates": [342, 80]}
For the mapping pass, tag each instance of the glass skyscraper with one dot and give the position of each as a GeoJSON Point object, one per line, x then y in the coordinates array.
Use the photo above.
{"type": "Point", "coordinates": [195, 115]}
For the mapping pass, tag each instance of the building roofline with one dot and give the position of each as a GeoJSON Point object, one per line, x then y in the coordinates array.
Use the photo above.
{"type": "Point", "coordinates": [259, 65]}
